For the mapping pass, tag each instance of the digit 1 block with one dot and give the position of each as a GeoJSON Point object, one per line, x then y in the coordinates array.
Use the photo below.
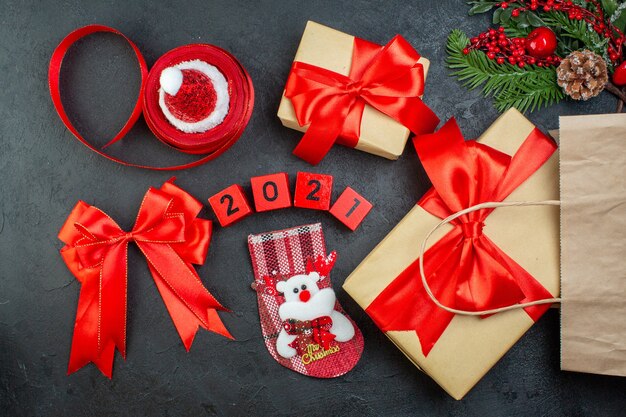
{"type": "Point", "coordinates": [271, 192]}
{"type": "Point", "coordinates": [313, 191]}
{"type": "Point", "coordinates": [230, 205]}
{"type": "Point", "coordinates": [351, 208]}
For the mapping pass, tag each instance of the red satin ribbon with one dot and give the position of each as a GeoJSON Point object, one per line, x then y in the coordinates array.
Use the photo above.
{"type": "Point", "coordinates": [465, 269]}
{"type": "Point", "coordinates": [387, 78]}
{"type": "Point", "coordinates": [171, 238]}
{"type": "Point", "coordinates": [211, 143]}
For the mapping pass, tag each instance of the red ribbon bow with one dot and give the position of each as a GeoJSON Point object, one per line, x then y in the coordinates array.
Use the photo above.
{"type": "Point", "coordinates": [387, 78]}
{"type": "Point", "coordinates": [316, 330]}
{"type": "Point", "coordinates": [171, 238]}
{"type": "Point", "coordinates": [465, 269]}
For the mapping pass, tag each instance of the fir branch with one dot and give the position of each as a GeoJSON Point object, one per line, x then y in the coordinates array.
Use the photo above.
{"type": "Point", "coordinates": [481, 6]}
{"type": "Point", "coordinates": [531, 87]}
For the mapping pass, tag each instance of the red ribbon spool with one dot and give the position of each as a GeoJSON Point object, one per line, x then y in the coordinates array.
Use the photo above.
{"type": "Point", "coordinates": [211, 143]}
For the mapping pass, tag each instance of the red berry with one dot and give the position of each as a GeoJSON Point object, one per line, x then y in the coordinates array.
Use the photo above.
{"type": "Point", "coordinates": [619, 76]}
{"type": "Point", "coordinates": [521, 64]}
{"type": "Point", "coordinates": [504, 5]}
{"type": "Point", "coordinates": [532, 60]}
{"type": "Point", "coordinates": [474, 40]}
{"type": "Point", "coordinates": [500, 60]}
{"type": "Point", "coordinates": [515, 13]}
{"type": "Point", "coordinates": [491, 55]}
{"type": "Point", "coordinates": [541, 42]}
{"type": "Point", "coordinates": [465, 51]}
{"type": "Point", "coordinates": [501, 29]}
{"type": "Point", "coordinates": [512, 60]}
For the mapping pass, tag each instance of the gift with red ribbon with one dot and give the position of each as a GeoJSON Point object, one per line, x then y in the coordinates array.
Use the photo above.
{"type": "Point", "coordinates": [483, 260]}
{"type": "Point", "coordinates": [327, 94]}
{"type": "Point", "coordinates": [171, 237]}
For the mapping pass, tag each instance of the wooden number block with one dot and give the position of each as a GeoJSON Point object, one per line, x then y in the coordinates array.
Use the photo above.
{"type": "Point", "coordinates": [271, 192]}
{"type": "Point", "coordinates": [313, 191]}
{"type": "Point", "coordinates": [230, 205]}
{"type": "Point", "coordinates": [351, 208]}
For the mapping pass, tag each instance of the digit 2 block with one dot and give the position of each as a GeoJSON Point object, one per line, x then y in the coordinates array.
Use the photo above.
{"type": "Point", "coordinates": [313, 191]}
{"type": "Point", "coordinates": [271, 192]}
{"type": "Point", "coordinates": [351, 208]}
{"type": "Point", "coordinates": [230, 205]}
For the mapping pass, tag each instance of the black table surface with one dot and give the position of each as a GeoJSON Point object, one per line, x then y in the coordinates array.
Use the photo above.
{"type": "Point", "coordinates": [44, 171]}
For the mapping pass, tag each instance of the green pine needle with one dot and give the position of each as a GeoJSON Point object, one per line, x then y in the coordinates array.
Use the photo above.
{"type": "Point", "coordinates": [527, 88]}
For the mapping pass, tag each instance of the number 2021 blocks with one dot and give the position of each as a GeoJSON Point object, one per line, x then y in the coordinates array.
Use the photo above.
{"type": "Point", "coordinates": [351, 208]}
{"type": "Point", "coordinates": [272, 192]}
{"type": "Point", "coordinates": [230, 205]}
{"type": "Point", "coordinates": [313, 191]}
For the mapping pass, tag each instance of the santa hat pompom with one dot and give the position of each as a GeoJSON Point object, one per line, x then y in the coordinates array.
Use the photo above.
{"type": "Point", "coordinates": [171, 80]}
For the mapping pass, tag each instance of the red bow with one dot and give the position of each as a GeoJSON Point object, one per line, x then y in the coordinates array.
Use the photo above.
{"type": "Point", "coordinates": [387, 78]}
{"type": "Point", "coordinates": [171, 238]}
{"type": "Point", "coordinates": [316, 330]}
{"type": "Point", "coordinates": [465, 269]}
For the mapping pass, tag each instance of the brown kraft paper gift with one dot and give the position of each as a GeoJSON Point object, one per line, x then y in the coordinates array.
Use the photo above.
{"type": "Point", "coordinates": [331, 49]}
{"type": "Point", "coordinates": [470, 346]}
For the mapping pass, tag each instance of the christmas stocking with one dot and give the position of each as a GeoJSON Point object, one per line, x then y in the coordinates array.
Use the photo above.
{"type": "Point", "coordinates": [304, 327]}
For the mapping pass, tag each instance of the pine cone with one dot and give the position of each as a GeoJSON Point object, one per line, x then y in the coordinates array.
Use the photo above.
{"type": "Point", "coordinates": [582, 74]}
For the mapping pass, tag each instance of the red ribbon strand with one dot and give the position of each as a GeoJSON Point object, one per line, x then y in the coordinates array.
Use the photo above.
{"type": "Point", "coordinates": [465, 269]}
{"type": "Point", "coordinates": [171, 238]}
{"type": "Point", "coordinates": [387, 78]}
{"type": "Point", "coordinates": [210, 144]}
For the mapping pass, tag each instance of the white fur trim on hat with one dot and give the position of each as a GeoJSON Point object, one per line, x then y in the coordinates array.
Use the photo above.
{"type": "Point", "coordinates": [221, 89]}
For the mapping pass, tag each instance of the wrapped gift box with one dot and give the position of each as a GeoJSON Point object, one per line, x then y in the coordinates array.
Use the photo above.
{"type": "Point", "coordinates": [328, 48]}
{"type": "Point", "coordinates": [469, 346]}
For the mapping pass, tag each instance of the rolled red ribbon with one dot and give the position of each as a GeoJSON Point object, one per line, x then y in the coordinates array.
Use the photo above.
{"type": "Point", "coordinates": [171, 237]}
{"type": "Point", "coordinates": [465, 269]}
{"type": "Point", "coordinates": [211, 143]}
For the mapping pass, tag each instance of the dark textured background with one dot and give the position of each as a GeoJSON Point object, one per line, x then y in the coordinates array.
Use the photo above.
{"type": "Point", "coordinates": [45, 170]}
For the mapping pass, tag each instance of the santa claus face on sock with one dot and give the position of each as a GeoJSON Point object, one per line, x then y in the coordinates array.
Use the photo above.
{"type": "Point", "coordinates": [303, 298]}
{"type": "Point", "coordinates": [193, 96]}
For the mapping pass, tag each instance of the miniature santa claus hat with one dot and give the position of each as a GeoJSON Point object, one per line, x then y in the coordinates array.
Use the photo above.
{"type": "Point", "coordinates": [193, 96]}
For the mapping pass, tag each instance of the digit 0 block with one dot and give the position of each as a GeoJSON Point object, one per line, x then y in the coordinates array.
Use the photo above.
{"type": "Point", "coordinates": [230, 205]}
{"type": "Point", "coordinates": [313, 191]}
{"type": "Point", "coordinates": [351, 208]}
{"type": "Point", "coordinates": [271, 192]}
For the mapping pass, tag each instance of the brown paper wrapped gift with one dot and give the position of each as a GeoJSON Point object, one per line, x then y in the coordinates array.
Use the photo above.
{"type": "Point", "coordinates": [330, 49]}
{"type": "Point", "coordinates": [470, 346]}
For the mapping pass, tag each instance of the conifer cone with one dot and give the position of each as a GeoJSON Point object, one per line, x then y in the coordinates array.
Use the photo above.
{"type": "Point", "coordinates": [582, 74]}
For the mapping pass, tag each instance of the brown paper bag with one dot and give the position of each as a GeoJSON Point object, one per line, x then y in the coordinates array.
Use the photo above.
{"type": "Point", "coordinates": [593, 243]}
